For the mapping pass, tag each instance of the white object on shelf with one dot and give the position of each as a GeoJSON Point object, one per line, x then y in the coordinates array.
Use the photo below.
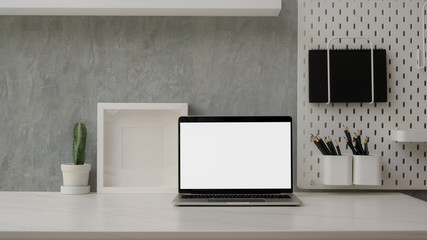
{"type": "Point", "coordinates": [138, 147]}
{"type": "Point", "coordinates": [409, 135]}
{"type": "Point", "coordinates": [366, 170]}
{"type": "Point", "coordinates": [75, 190]}
{"type": "Point", "coordinates": [142, 7]}
{"type": "Point", "coordinates": [337, 170]}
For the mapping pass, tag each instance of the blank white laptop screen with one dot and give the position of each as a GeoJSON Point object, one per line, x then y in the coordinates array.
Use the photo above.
{"type": "Point", "coordinates": [235, 155]}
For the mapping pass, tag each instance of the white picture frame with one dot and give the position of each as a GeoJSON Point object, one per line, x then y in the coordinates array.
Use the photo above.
{"type": "Point", "coordinates": [137, 147]}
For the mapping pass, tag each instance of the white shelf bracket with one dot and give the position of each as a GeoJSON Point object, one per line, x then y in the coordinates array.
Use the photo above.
{"type": "Point", "coordinates": [329, 67]}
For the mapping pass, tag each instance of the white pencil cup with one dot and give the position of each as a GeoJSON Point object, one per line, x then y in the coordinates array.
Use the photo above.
{"type": "Point", "coordinates": [366, 170]}
{"type": "Point", "coordinates": [337, 170]}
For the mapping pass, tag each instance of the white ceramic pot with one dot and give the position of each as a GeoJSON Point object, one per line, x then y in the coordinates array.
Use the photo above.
{"type": "Point", "coordinates": [75, 175]}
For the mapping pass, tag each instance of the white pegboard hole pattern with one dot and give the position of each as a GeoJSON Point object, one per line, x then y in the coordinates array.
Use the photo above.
{"type": "Point", "coordinates": [394, 25]}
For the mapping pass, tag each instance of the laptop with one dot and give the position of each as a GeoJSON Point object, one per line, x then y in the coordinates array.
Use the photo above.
{"type": "Point", "coordinates": [235, 160]}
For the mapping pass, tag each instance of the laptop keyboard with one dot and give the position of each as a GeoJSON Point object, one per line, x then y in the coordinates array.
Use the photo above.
{"type": "Point", "coordinates": [248, 196]}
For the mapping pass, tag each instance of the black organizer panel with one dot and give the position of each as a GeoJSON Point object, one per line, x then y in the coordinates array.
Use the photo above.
{"type": "Point", "coordinates": [350, 75]}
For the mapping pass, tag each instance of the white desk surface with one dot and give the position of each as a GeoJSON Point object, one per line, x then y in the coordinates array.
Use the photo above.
{"type": "Point", "coordinates": [48, 215]}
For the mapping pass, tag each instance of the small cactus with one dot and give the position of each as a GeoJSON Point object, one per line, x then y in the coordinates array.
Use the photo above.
{"type": "Point", "coordinates": [79, 143]}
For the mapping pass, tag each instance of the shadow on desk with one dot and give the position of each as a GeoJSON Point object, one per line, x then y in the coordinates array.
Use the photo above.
{"type": "Point", "coordinates": [417, 194]}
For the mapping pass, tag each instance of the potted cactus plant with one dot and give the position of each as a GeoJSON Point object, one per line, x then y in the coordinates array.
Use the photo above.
{"type": "Point", "coordinates": [76, 175]}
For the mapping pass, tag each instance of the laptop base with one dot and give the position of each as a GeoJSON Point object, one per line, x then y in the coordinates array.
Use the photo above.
{"type": "Point", "coordinates": [293, 201]}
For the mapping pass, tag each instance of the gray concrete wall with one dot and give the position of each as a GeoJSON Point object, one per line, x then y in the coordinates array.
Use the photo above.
{"type": "Point", "coordinates": [54, 70]}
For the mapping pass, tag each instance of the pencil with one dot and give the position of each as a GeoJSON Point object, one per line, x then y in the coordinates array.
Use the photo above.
{"type": "Point", "coordinates": [313, 138]}
{"type": "Point", "coordinates": [338, 147]}
{"type": "Point", "coordinates": [331, 146]}
{"type": "Point", "coordinates": [347, 133]}
{"type": "Point", "coordinates": [359, 139]}
{"type": "Point", "coordinates": [366, 146]}
{"type": "Point", "coordinates": [351, 146]}
{"type": "Point", "coordinates": [357, 150]}
{"type": "Point", "coordinates": [322, 143]}
{"type": "Point", "coordinates": [321, 149]}
{"type": "Point", "coordinates": [358, 144]}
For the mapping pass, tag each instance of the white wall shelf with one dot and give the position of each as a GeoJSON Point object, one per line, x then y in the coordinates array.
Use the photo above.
{"type": "Point", "coordinates": [142, 7]}
{"type": "Point", "coordinates": [409, 135]}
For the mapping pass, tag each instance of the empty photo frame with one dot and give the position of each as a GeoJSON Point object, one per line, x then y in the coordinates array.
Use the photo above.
{"type": "Point", "coordinates": [138, 147]}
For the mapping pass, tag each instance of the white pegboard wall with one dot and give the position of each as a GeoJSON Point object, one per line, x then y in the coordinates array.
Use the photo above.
{"type": "Point", "coordinates": [393, 25]}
